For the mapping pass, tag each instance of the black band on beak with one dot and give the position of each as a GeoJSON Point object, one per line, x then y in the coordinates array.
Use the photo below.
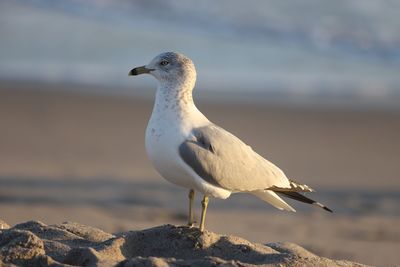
{"type": "Point", "coordinates": [139, 70]}
{"type": "Point", "coordinates": [133, 72]}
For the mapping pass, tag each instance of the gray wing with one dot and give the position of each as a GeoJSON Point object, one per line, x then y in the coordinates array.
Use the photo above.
{"type": "Point", "coordinates": [223, 160]}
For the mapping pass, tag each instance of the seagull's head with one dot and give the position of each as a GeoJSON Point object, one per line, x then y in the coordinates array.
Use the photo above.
{"type": "Point", "coordinates": [169, 67]}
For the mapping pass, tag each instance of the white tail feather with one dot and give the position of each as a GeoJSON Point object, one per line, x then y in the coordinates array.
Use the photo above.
{"type": "Point", "coordinates": [273, 199]}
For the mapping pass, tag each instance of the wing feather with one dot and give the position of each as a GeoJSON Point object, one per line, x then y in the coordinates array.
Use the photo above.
{"type": "Point", "coordinates": [222, 159]}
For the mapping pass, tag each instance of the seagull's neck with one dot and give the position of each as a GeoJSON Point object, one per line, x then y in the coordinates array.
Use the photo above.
{"type": "Point", "coordinates": [174, 102]}
{"type": "Point", "coordinates": [172, 97]}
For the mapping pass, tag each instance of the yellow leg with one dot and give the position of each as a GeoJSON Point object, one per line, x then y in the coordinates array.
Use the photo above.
{"type": "Point", "coordinates": [191, 216]}
{"type": "Point", "coordinates": [204, 204]}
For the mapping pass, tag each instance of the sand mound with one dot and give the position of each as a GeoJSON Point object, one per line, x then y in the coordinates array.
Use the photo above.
{"type": "Point", "coordinates": [36, 244]}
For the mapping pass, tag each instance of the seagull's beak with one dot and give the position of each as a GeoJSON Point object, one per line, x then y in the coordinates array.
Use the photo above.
{"type": "Point", "coordinates": [139, 70]}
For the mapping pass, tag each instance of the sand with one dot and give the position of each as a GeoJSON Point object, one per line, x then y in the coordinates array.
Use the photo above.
{"type": "Point", "coordinates": [70, 244]}
{"type": "Point", "coordinates": [74, 157]}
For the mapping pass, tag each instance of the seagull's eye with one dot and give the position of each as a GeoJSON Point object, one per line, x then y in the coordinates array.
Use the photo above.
{"type": "Point", "coordinates": [164, 63]}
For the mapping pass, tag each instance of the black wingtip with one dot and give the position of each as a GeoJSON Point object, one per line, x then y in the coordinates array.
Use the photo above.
{"type": "Point", "coordinates": [327, 209]}
{"type": "Point", "coordinates": [302, 198]}
{"type": "Point", "coordinates": [322, 206]}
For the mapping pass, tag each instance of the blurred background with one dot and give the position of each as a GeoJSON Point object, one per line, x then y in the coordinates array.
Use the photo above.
{"type": "Point", "coordinates": [313, 86]}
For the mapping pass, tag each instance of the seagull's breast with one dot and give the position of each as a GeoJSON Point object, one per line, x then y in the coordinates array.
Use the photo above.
{"type": "Point", "coordinates": [164, 134]}
{"type": "Point", "coordinates": [171, 123]}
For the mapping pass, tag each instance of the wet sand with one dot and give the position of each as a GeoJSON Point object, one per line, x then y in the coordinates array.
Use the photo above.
{"type": "Point", "coordinates": [73, 157]}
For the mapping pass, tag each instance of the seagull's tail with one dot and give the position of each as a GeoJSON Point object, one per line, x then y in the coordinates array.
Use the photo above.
{"type": "Point", "coordinates": [294, 192]}
{"type": "Point", "coordinates": [273, 199]}
{"type": "Point", "coordinates": [299, 197]}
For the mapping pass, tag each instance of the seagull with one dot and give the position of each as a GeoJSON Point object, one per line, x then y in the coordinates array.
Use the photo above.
{"type": "Point", "coordinates": [190, 151]}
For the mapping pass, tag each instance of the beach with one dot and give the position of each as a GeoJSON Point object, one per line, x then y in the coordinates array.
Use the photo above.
{"type": "Point", "coordinates": [80, 157]}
